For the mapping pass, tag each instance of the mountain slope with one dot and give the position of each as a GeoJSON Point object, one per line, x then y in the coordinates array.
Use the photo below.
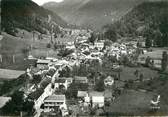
{"type": "Point", "coordinates": [149, 19]}
{"type": "Point", "coordinates": [26, 14]}
{"type": "Point", "coordinates": [92, 13]}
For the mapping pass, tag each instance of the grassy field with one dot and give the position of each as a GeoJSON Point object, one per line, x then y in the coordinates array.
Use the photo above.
{"type": "Point", "coordinates": [10, 74]}
{"type": "Point", "coordinates": [15, 46]}
{"type": "Point", "coordinates": [131, 102]}
{"type": "Point", "coordinates": [128, 73]}
{"type": "Point", "coordinates": [156, 53]}
{"type": "Point", "coordinates": [134, 101]}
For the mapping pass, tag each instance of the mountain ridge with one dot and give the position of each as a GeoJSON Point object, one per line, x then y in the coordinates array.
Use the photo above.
{"type": "Point", "coordinates": [27, 15]}
{"type": "Point", "coordinates": [92, 13]}
{"type": "Point", "coordinates": [148, 20]}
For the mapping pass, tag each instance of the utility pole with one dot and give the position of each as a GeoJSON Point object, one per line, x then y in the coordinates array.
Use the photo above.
{"type": "Point", "coordinates": [52, 33]}
{"type": "Point", "coordinates": [0, 58]}
{"type": "Point", "coordinates": [13, 58]}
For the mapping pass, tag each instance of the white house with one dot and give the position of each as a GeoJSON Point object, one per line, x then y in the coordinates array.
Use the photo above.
{"type": "Point", "coordinates": [109, 81]}
{"type": "Point", "coordinates": [96, 98]}
{"type": "Point", "coordinates": [157, 62]}
{"type": "Point", "coordinates": [98, 101]}
{"type": "Point", "coordinates": [82, 94]}
{"type": "Point", "coordinates": [42, 64]}
{"type": "Point", "coordinates": [54, 102]}
{"type": "Point", "coordinates": [99, 45]}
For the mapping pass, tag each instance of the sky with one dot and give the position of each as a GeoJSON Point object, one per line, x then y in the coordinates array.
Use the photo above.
{"type": "Point", "coordinates": [41, 2]}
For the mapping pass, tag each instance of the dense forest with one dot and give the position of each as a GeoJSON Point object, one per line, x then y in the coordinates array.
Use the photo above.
{"type": "Point", "coordinates": [25, 14]}
{"type": "Point", "coordinates": [149, 19]}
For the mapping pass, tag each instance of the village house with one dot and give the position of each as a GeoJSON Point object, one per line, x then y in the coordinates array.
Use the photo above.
{"type": "Point", "coordinates": [157, 62]}
{"type": "Point", "coordinates": [109, 81]}
{"type": "Point", "coordinates": [70, 46]}
{"type": "Point", "coordinates": [61, 83]}
{"type": "Point", "coordinates": [97, 101]}
{"type": "Point", "coordinates": [99, 45]}
{"type": "Point", "coordinates": [54, 102]}
{"type": "Point", "coordinates": [60, 63]}
{"type": "Point", "coordinates": [82, 39]}
{"type": "Point", "coordinates": [69, 80]}
{"type": "Point", "coordinates": [43, 64]}
{"type": "Point", "coordinates": [82, 94]}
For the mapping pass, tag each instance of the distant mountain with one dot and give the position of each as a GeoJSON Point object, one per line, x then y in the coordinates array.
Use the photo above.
{"type": "Point", "coordinates": [149, 19]}
{"type": "Point", "coordinates": [92, 13]}
{"type": "Point", "coordinates": [25, 14]}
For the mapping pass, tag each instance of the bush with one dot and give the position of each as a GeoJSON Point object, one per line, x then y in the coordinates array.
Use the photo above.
{"type": "Point", "coordinates": [48, 45]}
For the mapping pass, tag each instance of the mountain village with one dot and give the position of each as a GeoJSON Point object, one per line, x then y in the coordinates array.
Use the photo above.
{"type": "Point", "coordinates": [80, 72]}
{"type": "Point", "coordinates": [50, 94]}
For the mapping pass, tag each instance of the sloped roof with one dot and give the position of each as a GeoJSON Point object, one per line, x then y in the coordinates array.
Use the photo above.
{"type": "Point", "coordinates": [35, 95]}
{"type": "Point", "coordinates": [55, 97]}
{"type": "Point", "coordinates": [98, 99]}
{"type": "Point", "coordinates": [95, 93]}
{"type": "Point", "coordinates": [82, 93]}
{"type": "Point", "coordinates": [109, 78]}
{"type": "Point", "coordinates": [41, 61]}
{"type": "Point", "coordinates": [79, 78]}
{"type": "Point", "coordinates": [60, 80]}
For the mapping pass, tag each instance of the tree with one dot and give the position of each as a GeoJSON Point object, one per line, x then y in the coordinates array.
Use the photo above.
{"type": "Point", "coordinates": [74, 88]}
{"type": "Point", "coordinates": [65, 52]}
{"type": "Point", "coordinates": [125, 60]}
{"type": "Point", "coordinates": [48, 45]}
{"type": "Point", "coordinates": [164, 60]}
{"type": "Point", "coordinates": [36, 79]}
{"type": "Point", "coordinates": [136, 73]}
{"type": "Point", "coordinates": [129, 83]}
{"type": "Point", "coordinates": [28, 107]}
{"type": "Point", "coordinates": [15, 105]}
{"type": "Point", "coordinates": [25, 51]}
{"type": "Point", "coordinates": [66, 72]}
{"type": "Point", "coordinates": [92, 39]}
{"type": "Point", "coordinates": [148, 43]}
{"type": "Point", "coordinates": [158, 38]}
{"type": "Point", "coordinates": [147, 61]}
{"type": "Point", "coordinates": [141, 77]}
{"type": "Point", "coordinates": [107, 43]}
{"type": "Point", "coordinates": [100, 85]}
{"type": "Point", "coordinates": [111, 35]}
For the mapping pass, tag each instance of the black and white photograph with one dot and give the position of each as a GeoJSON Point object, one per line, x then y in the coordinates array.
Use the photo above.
{"type": "Point", "coordinates": [84, 58]}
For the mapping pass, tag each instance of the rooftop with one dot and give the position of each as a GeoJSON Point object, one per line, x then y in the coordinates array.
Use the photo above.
{"type": "Point", "coordinates": [98, 98]}
{"type": "Point", "coordinates": [60, 80]}
{"type": "Point", "coordinates": [41, 61]}
{"type": "Point", "coordinates": [80, 78]}
{"type": "Point", "coordinates": [82, 93]}
{"type": "Point", "coordinates": [35, 95]}
{"type": "Point", "coordinates": [95, 94]}
{"type": "Point", "coordinates": [56, 97]}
